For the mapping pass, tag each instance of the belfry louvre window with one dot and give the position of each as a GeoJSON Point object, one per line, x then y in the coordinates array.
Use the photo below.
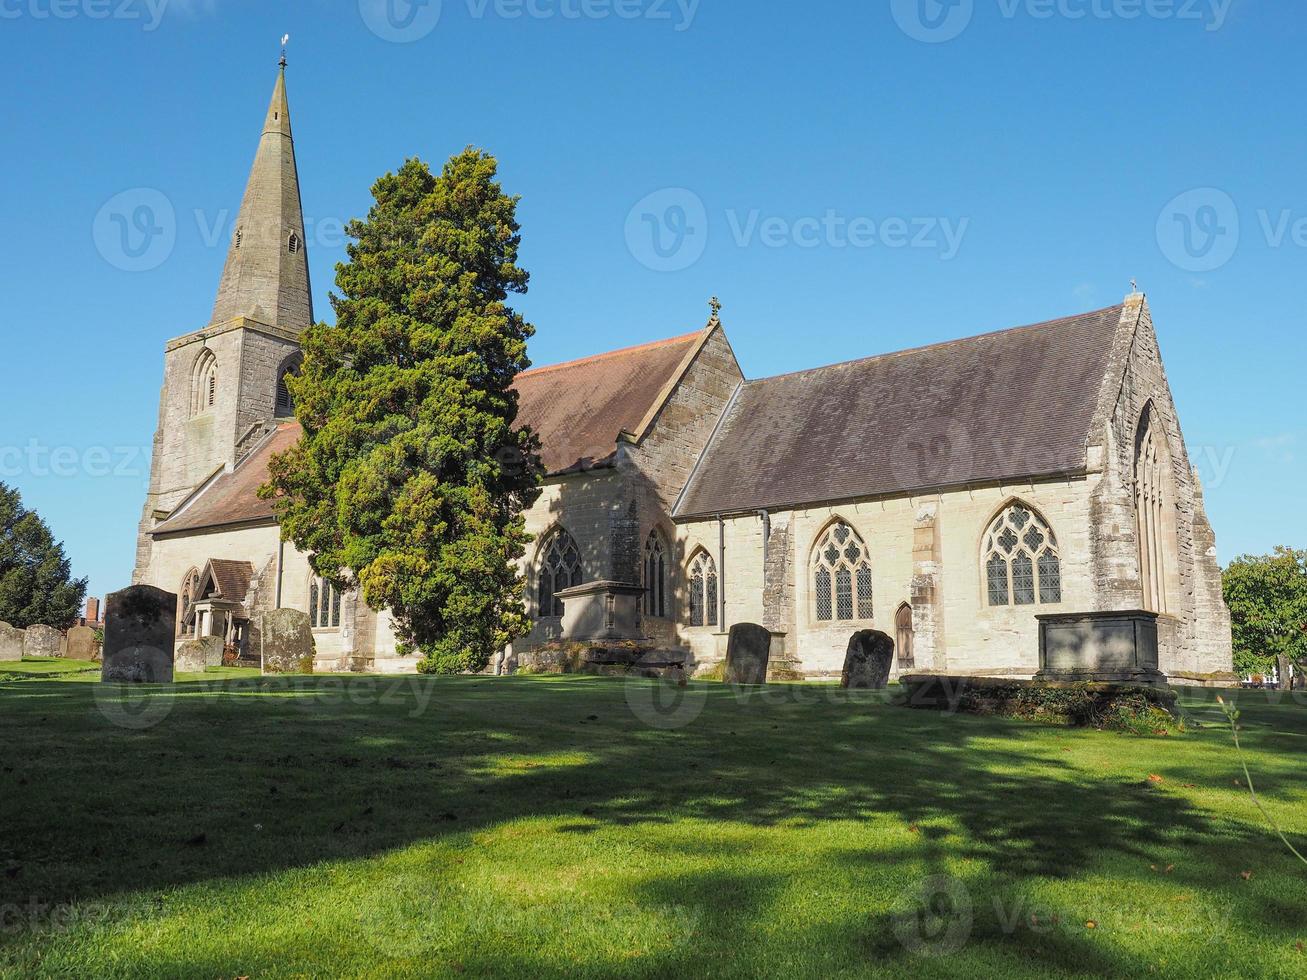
{"type": "Point", "coordinates": [560, 568]}
{"type": "Point", "coordinates": [294, 244]}
{"type": "Point", "coordinates": [655, 576]}
{"type": "Point", "coordinates": [204, 383]}
{"type": "Point", "coordinates": [703, 590]}
{"type": "Point", "coordinates": [324, 604]}
{"type": "Point", "coordinates": [1021, 560]}
{"type": "Point", "coordinates": [841, 575]}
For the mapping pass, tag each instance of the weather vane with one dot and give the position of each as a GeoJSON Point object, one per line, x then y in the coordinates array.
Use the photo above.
{"type": "Point", "coordinates": [285, 39]}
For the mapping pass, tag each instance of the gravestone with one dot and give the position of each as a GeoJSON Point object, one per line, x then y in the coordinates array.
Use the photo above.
{"type": "Point", "coordinates": [42, 641]}
{"type": "Point", "coordinates": [287, 646]}
{"type": "Point", "coordinates": [140, 627]}
{"type": "Point", "coordinates": [193, 656]}
{"type": "Point", "coordinates": [82, 644]}
{"type": "Point", "coordinates": [867, 661]}
{"type": "Point", "coordinates": [11, 643]}
{"type": "Point", "coordinates": [747, 652]}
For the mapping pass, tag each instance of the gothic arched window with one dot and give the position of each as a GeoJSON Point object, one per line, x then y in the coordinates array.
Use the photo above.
{"type": "Point", "coordinates": [560, 568]}
{"type": "Point", "coordinates": [324, 604]}
{"type": "Point", "coordinates": [1152, 517]}
{"type": "Point", "coordinates": [186, 603]}
{"type": "Point", "coordinates": [204, 382]}
{"type": "Point", "coordinates": [841, 575]}
{"type": "Point", "coordinates": [655, 575]}
{"type": "Point", "coordinates": [1021, 560]}
{"type": "Point", "coordinates": [285, 403]}
{"type": "Point", "coordinates": [703, 590]}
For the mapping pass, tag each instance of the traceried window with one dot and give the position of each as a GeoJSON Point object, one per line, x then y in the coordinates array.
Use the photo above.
{"type": "Point", "coordinates": [204, 383]}
{"type": "Point", "coordinates": [324, 604]}
{"type": "Point", "coordinates": [841, 575]}
{"type": "Point", "coordinates": [703, 590]}
{"type": "Point", "coordinates": [560, 568]}
{"type": "Point", "coordinates": [655, 576]}
{"type": "Point", "coordinates": [1021, 560]}
{"type": "Point", "coordinates": [186, 604]}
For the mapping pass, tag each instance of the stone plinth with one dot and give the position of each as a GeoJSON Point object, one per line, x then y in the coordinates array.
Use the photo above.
{"type": "Point", "coordinates": [140, 624]}
{"type": "Point", "coordinates": [1107, 647]}
{"type": "Point", "coordinates": [287, 642]}
{"type": "Point", "coordinates": [867, 661]}
{"type": "Point", "coordinates": [82, 644]}
{"type": "Point", "coordinates": [42, 641]}
{"type": "Point", "coordinates": [602, 611]}
{"type": "Point", "coordinates": [11, 643]}
{"type": "Point", "coordinates": [748, 651]}
{"type": "Point", "coordinates": [193, 656]}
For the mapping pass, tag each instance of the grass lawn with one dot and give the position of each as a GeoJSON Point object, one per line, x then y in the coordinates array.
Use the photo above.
{"type": "Point", "coordinates": [534, 826]}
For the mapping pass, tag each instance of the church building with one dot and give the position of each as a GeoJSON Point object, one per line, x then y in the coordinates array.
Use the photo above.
{"type": "Point", "coordinates": [946, 495]}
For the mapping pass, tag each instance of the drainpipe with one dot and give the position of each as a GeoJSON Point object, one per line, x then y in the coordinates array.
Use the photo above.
{"type": "Point", "coordinates": [766, 536]}
{"type": "Point", "coordinates": [281, 565]}
{"type": "Point", "coordinates": [721, 573]}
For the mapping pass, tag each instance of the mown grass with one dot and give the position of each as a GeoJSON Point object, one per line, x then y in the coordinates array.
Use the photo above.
{"type": "Point", "coordinates": [564, 826]}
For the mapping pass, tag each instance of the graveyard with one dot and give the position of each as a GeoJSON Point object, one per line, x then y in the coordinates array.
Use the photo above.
{"type": "Point", "coordinates": [236, 825]}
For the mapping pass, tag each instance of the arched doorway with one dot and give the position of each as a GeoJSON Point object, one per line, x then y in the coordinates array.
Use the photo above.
{"type": "Point", "coordinates": [903, 632]}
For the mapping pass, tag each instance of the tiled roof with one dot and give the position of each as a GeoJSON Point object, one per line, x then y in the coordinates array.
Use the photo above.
{"type": "Point", "coordinates": [231, 578]}
{"type": "Point", "coordinates": [578, 409]}
{"type": "Point", "coordinates": [1008, 405]}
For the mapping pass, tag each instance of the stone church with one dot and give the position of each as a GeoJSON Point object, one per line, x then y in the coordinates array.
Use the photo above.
{"type": "Point", "coordinates": [946, 496]}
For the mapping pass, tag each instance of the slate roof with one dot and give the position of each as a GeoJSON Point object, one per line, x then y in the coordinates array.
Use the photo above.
{"type": "Point", "coordinates": [578, 409]}
{"type": "Point", "coordinates": [1002, 406]}
{"type": "Point", "coordinates": [231, 578]}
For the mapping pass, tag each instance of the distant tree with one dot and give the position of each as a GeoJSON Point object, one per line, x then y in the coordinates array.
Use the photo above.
{"type": "Point", "coordinates": [36, 583]}
{"type": "Point", "coordinates": [1267, 596]}
{"type": "Point", "coordinates": [411, 478]}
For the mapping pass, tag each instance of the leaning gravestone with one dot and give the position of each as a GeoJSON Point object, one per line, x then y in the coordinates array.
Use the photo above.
{"type": "Point", "coordinates": [82, 644]}
{"type": "Point", "coordinates": [868, 660]}
{"type": "Point", "coordinates": [287, 644]}
{"type": "Point", "coordinates": [140, 627]}
{"type": "Point", "coordinates": [42, 641]}
{"type": "Point", "coordinates": [11, 643]}
{"type": "Point", "coordinates": [193, 656]}
{"type": "Point", "coordinates": [747, 651]}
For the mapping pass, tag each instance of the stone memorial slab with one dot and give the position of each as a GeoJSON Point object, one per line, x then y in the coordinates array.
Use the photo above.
{"type": "Point", "coordinates": [287, 643]}
{"type": "Point", "coordinates": [748, 649]}
{"type": "Point", "coordinates": [42, 641]}
{"type": "Point", "coordinates": [11, 643]}
{"type": "Point", "coordinates": [1107, 647]}
{"type": "Point", "coordinates": [194, 656]}
{"type": "Point", "coordinates": [140, 627]}
{"type": "Point", "coordinates": [82, 644]}
{"type": "Point", "coordinates": [867, 661]}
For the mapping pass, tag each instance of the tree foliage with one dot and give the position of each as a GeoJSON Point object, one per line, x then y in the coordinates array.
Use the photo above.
{"type": "Point", "coordinates": [36, 583]}
{"type": "Point", "coordinates": [1267, 596]}
{"type": "Point", "coordinates": [411, 477]}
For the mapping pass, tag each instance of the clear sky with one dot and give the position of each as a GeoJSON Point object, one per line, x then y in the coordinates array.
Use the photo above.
{"type": "Point", "coordinates": [850, 178]}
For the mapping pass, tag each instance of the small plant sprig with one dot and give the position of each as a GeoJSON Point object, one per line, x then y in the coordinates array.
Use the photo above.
{"type": "Point", "coordinates": [1232, 714]}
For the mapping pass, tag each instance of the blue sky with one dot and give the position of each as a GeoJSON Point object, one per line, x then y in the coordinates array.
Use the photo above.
{"type": "Point", "coordinates": [849, 178]}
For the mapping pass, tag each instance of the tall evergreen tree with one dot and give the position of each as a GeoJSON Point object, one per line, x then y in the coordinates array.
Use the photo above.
{"type": "Point", "coordinates": [411, 477]}
{"type": "Point", "coordinates": [36, 583]}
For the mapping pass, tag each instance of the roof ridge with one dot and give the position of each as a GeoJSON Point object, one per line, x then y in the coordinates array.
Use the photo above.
{"type": "Point", "coordinates": [666, 342]}
{"type": "Point", "coordinates": [938, 344]}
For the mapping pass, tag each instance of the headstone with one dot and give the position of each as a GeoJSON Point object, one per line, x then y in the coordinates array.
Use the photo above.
{"type": "Point", "coordinates": [82, 644]}
{"type": "Point", "coordinates": [140, 626]}
{"type": "Point", "coordinates": [42, 641]}
{"type": "Point", "coordinates": [868, 660]}
{"type": "Point", "coordinates": [11, 643]}
{"type": "Point", "coordinates": [193, 656]}
{"type": "Point", "coordinates": [748, 650]}
{"type": "Point", "coordinates": [288, 646]}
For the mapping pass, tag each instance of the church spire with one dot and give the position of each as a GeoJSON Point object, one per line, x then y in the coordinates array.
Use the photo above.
{"type": "Point", "coordinates": [266, 276]}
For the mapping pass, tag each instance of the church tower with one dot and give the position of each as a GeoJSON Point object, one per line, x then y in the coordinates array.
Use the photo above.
{"type": "Point", "coordinates": [223, 385]}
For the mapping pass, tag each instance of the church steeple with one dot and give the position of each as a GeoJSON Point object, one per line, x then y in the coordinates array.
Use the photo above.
{"type": "Point", "coordinates": [266, 276]}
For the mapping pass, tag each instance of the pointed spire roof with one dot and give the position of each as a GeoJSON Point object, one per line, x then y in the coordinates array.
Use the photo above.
{"type": "Point", "coordinates": [266, 276]}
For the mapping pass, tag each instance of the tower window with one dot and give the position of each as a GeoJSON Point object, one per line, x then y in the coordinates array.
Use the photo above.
{"type": "Point", "coordinates": [294, 243]}
{"type": "Point", "coordinates": [239, 235]}
{"type": "Point", "coordinates": [204, 383]}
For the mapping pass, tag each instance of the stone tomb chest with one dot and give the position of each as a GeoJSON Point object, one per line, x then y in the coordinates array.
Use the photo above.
{"type": "Point", "coordinates": [1119, 647]}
